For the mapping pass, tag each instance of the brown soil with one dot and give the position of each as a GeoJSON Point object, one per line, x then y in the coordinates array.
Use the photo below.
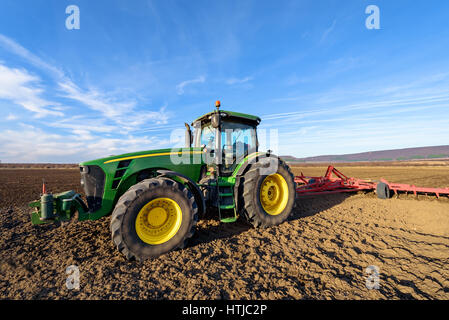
{"type": "Point", "coordinates": [38, 166]}
{"type": "Point", "coordinates": [322, 252]}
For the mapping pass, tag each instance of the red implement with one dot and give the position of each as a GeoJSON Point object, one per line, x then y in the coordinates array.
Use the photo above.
{"type": "Point", "coordinates": [398, 187]}
{"type": "Point", "coordinates": [334, 182]}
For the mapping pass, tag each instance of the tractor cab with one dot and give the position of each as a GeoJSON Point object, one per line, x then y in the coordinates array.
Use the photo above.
{"type": "Point", "coordinates": [226, 138]}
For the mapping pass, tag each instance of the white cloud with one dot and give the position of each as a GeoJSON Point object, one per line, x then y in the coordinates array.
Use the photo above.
{"type": "Point", "coordinates": [31, 144]}
{"type": "Point", "coordinates": [113, 113]}
{"type": "Point", "coordinates": [328, 31]}
{"type": "Point", "coordinates": [82, 123]}
{"type": "Point", "coordinates": [180, 87]}
{"type": "Point", "coordinates": [103, 126]}
{"type": "Point", "coordinates": [123, 113]}
{"type": "Point", "coordinates": [17, 49]}
{"type": "Point", "coordinates": [238, 81]}
{"type": "Point", "coordinates": [353, 137]}
{"type": "Point", "coordinates": [394, 114]}
{"type": "Point", "coordinates": [23, 89]}
{"type": "Point", "coordinates": [96, 100]}
{"type": "Point", "coordinates": [11, 117]}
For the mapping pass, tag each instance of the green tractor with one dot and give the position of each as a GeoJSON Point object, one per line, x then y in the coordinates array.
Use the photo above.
{"type": "Point", "coordinates": [155, 198]}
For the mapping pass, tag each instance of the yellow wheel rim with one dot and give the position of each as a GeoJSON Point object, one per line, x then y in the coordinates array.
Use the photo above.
{"type": "Point", "coordinates": [158, 221]}
{"type": "Point", "coordinates": [274, 194]}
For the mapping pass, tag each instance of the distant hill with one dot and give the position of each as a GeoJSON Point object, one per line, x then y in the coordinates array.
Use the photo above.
{"type": "Point", "coordinates": [438, 152]}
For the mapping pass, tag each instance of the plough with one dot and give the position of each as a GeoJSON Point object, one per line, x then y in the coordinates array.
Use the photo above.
{"type": "Point", "coordinates": [335, 182]}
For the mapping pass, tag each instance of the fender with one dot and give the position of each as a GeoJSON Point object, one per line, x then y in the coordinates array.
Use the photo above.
{"type": "Point", "coordinates": [244, 166]}
{"type": "Point", "coordinates": [193, 187]}
{"type": "Point", "coordinates": [251, 159]}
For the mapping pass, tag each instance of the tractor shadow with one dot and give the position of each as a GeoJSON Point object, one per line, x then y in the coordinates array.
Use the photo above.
{"type": "Point", "coordinates": [210, 228]}
{"type": "Point", "coordinates": [307, 206]}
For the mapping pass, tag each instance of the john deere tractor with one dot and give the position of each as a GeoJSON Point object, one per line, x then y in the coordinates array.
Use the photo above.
{"type": "Point", "coordinates": [155, 198]}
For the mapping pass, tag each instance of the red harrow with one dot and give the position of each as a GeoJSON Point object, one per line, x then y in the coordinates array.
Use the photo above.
{"type": "Point", "coordinates": [335, 182]}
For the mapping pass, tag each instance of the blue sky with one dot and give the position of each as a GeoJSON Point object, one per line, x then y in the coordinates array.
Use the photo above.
{"type": "Point", "coordinates": [137, 70]}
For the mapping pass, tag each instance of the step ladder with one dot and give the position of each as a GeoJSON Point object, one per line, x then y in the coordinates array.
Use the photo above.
{"type": "Point", "coordinates": [226, 203]}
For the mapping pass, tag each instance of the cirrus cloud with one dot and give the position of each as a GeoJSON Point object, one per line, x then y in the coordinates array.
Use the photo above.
{"type": "Point", "coordinates": [180, 87]}
{"type": "Point", "coordinates": [22, 88]}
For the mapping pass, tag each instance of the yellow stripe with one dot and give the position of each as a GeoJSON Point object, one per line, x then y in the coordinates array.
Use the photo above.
{"type": "Point", "coordinates": [151, 155]}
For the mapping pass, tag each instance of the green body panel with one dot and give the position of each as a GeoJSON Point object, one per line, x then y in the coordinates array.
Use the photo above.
{"type": "Point", "coordinates": [187, 161]}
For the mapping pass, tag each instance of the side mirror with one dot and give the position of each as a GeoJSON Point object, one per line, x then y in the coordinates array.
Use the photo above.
{"type": "Point", "coordinates": [188, 138]}
{"type": "Point", "coordinates": [215, 120]}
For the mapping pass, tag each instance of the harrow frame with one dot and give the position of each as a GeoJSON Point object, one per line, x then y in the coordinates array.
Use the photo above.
{"type": "Point", "coordinates": [336, 182]}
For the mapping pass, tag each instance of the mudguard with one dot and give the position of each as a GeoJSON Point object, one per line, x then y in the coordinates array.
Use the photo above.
{"type": "Point", "coordinates": [193, 187]}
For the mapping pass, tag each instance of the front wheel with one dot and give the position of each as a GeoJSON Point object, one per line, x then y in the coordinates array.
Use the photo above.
{"type": "Point", "coordinates": [268, 199]}
{"type": "Point", "coordinates": [153, 217]}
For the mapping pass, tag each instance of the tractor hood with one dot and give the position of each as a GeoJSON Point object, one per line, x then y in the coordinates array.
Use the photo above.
{"type": "Point", "coordinates": [136, 155]}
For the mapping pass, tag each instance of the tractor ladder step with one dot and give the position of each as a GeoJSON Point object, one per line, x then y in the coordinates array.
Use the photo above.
{"type": "Point", "coordinates": [229, 194]}
{"type": "Point", "coordinates": [229, 219]}
{"type": "Point", "coordinates": [224, 183]}
{"type": "Point", "coordinates": [226, 204]}
{"type": "Point", "coordinates": [227, 213]}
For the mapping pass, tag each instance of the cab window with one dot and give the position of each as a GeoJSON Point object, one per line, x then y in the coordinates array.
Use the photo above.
{"type": "Point", "coordinates": [208, 137]}
{"type": "Point", "coordinates": [237, 141]}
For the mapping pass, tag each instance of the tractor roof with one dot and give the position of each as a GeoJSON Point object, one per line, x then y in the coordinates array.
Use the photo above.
{"type": "Point", "coordinates": [232, 116]}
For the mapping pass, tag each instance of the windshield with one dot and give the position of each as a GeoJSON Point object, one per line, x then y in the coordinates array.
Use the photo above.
{"type": "Point", "coordinates": [237, 141]}
{"type": "Point", "coordinates": [208, 137]}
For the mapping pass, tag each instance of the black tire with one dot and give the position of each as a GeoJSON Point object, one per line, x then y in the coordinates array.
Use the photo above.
{"type": "Point", "coordinates": [210, 195]}
{"type": "Point", "coordinates": [253, 210]}
{"type": "Point", "coordinates": [383, 191]}
{"type": "Point", "coordinates": [124, 216]}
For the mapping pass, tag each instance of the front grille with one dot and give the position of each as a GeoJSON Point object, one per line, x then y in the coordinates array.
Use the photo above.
{"type": "Point", "coordinates": [92, 180]}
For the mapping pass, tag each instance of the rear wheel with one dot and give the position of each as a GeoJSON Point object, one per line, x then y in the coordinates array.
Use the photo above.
{"type": "Point", "coordinates": [153, 217]}
{"type": "Point", "coordinates": [268, 200]}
